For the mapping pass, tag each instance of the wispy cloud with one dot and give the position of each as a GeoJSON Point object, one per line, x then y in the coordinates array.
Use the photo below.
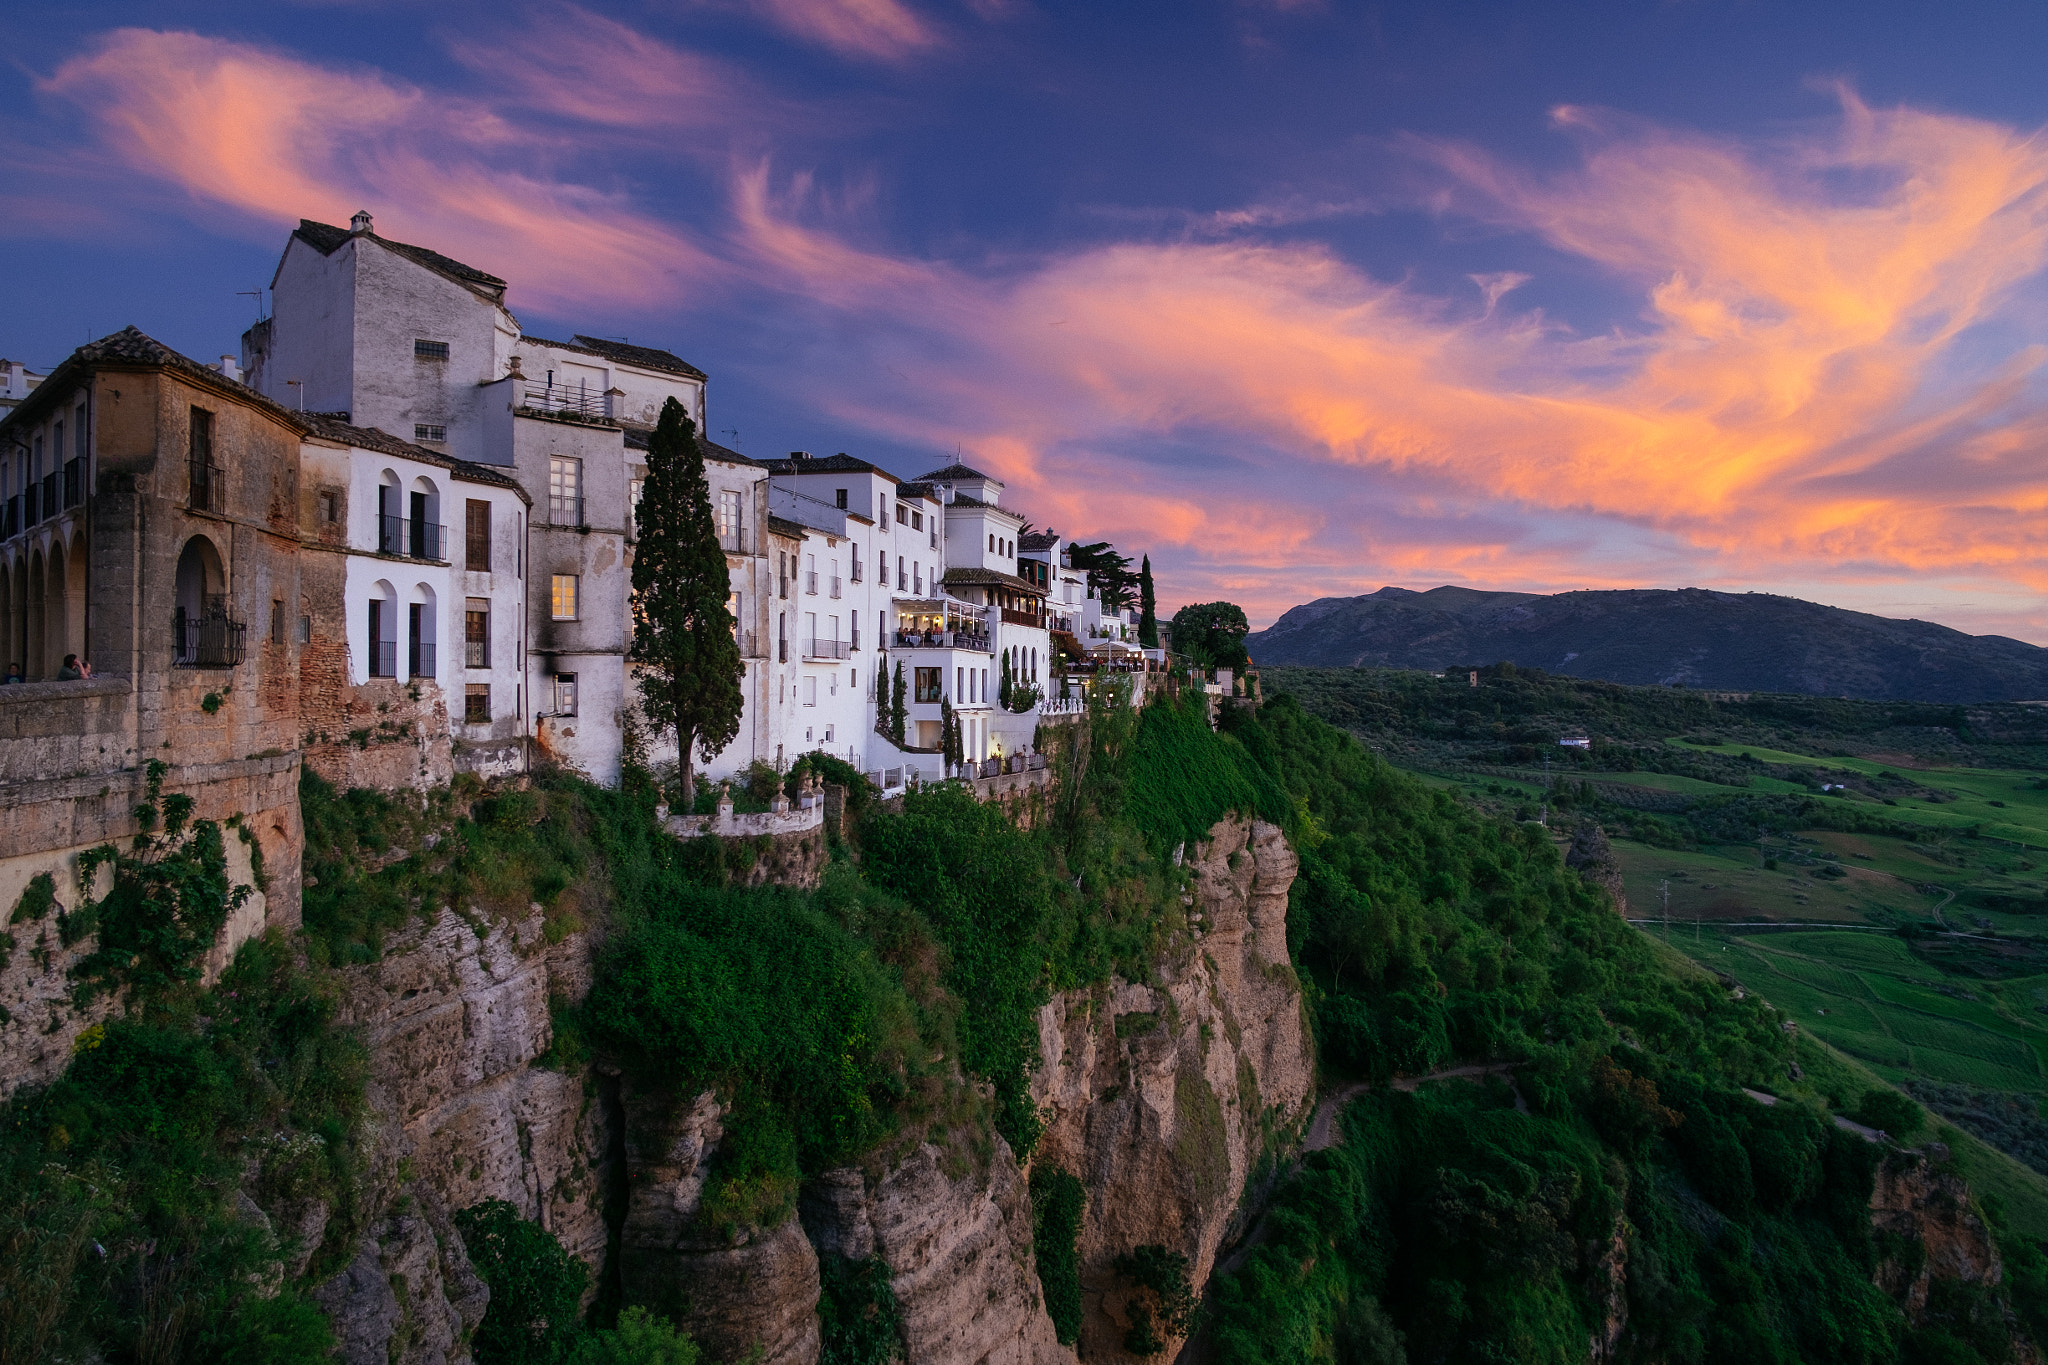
{"type": "Point", "coordinates": [1798, 401]}
{"type": "Point", "coordinates": [878, 30]}
{"type": "Point", "coordinates": [276, 138]}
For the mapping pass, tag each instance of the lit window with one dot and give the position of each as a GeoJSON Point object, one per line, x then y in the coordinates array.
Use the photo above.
{"type": "Point", "coordinates": [429, 431]}
{"type": "Point", "coordinates": [728, 513]}
{"type": "Point", "coordinates": [429, 350]}
{"type": "Point", "coordinates": [476, 704]}
{"type": "Point", "coordinates": [564, 596]}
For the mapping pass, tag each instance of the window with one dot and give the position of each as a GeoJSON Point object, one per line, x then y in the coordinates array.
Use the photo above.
{"type": "Point", "coordinates": [305, 630]}
{"type": "Point", "coordinates": [840, 498]}
{"type": "Point", "coordinates": [565, 694]}
{"type": "Point", "coordinates": [429, 432]}
{"type": "Point", "coordinates": [383, 649]}
{"type": "Point", "coordinates": [902, 515]}
{"type": "Point", "coordinates": [423, 349]}
{"type": "Point", "coordinates": [729, 515]}
{"type": "Point", "coordinates": [916, 520]}
{"type": "Point", "coordinates": [206, 480]}
{"type": "Point", "coordinates": [277, 621]}
{"type": "Point", "coordinates": [563, 597]}
{"type": "Point", "coordinates": [330, 508]}
{"type": "Point", "coordinates": [902, 574]}
{"type": "Point", "coordinates": [810, 689]}
{"type": "Point", "coordinates": [476, 633]}
{"type": "Point", "coordinates": [927, 684]}
{"type": "Point", "coordinates": [476, 703]}
{"type": "Point", "coordinates": [476, 535]}
{"type": "Point", "coordinates": [565, 491]}
{"type": "Point", "coordinates": [854, 560]}
{"type": "Point", "coordinates": [991, 543]}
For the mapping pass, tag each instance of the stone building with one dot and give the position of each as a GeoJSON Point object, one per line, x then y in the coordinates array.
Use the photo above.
{"type": "Point", "coordinates": [166, 552]}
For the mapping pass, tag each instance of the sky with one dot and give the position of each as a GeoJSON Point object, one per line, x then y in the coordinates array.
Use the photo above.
{"type": "Point", "coordinates": [1300, 298]}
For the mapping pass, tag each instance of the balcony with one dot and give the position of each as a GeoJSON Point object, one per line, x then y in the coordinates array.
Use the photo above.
{"type": "Point", "coordinates": [856, 570]}
{"type": "Point", "coordinates": [10, 517]}
{"type": "Point", "coordinates": [74, 482]}
{"type": "Point", "coordinates": [826, 649]}
{"type": "Point", "coordinates": [943, 639]}
{"type": "Point", "coordinates": [835, 585]}
{"type": "Point", "coordinates": [782, 651]}
{"type": "Point", "coordinates": [733, 540]}
{"type": "Point", "coordinates": [213, 639]}
{"type": "Point", "coordinates": [560, 400]}
{"type": "Point", "coordinates": [421, 659]}
{"type": "Point", "coordinates": [384, 659]}
{"type": "Point", "coordinates": [51, 488]}
{"type": "Point", "coordinates": [412, 539]}
{"type": "Point", "coordinates": [565, 511]}
{"type": "Point", "coordinates": [209, 489]}
{"type": "Point", "coordinates": [810, 582]}
{"type": "Point", "coordinates": [749, 644]}
{"type": "Point", "coordinates": [1013, 617]}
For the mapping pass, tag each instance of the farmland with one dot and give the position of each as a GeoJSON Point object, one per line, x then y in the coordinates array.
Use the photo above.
{"type": "Point", "coordinates": [1877, 873]}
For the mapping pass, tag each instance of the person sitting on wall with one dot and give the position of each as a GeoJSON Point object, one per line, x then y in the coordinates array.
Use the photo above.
{"type": "Point", "coordinates": [13, 675]}
{"type": "Point", "coordinates": [74, 669]}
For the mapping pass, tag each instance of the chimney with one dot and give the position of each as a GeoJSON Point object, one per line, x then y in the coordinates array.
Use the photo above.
{"type": "Point", "coordinates": [230, 368]}
{"type": "Point", "coordinates": [360, 224]}
{"type": "Point", "coordinates": [799, 454]}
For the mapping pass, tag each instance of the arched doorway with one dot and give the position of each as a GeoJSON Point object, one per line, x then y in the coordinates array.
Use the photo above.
{"type": "Point", "coordinates": [421, 634]}
{"type": "Point", "coordinates": [204, 632]}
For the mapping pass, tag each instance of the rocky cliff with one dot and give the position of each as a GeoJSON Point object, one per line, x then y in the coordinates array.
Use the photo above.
{"type": "Point", "coordinates": [1160, 1095]}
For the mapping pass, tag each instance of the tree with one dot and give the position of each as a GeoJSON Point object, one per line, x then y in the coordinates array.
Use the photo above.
{"type": "Point", "coordinates": [896, 707]}
{"type": "Point", "coordinates": [641, 1338]}
{"type": "Point", "coordinates": [949, 733]}
{"type": "Point", "coordinates": [683, 635]}
{"type": "Point", "coordinates": [1109, 573]}
{"type": "Point", "coordinates": [1003, 688]}
{"type": "Point", "coordinates": [536, 1286]}
{"type": "Point", "coordinates": [1212, 633]}
{"type": "Point", "coordinates": [1148, 608]}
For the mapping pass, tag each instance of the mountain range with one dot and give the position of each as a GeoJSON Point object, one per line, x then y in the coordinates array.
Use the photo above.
{"type": "Point", "coordinates": [1689, 637]}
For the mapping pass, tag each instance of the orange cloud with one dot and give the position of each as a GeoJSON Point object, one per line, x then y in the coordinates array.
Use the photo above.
{"type": "Point", "coordinates": [279, 139]}
{"type": "Point", "coordinates": [881, 30]}
{"type": "Point", "coordinates": [1804, 399]}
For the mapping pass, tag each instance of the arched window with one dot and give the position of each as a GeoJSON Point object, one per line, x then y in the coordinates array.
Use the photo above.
{"type": "Point", "coordinates": [423, 520]}
{"type": "Point", "coordinates": [421, 635]}
{"type": "Point", "coordinates": [205, 631]}
{"type": "Point", "coordinates": [382, 636]}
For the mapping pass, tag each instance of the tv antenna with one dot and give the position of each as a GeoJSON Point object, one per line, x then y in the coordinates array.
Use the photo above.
{"type": "Point", "coordinates": [733, 432]}
{"type": "Point", "coordinates": [256, 294]}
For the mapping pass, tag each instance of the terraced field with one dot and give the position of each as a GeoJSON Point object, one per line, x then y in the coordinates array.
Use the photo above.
{"type": "Point", "coordinates": [1871, 996]}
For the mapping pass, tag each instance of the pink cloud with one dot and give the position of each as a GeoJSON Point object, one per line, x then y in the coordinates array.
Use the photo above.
{"type": "Point", "coordinates": [878, 30]}
{"type": "Point", "coordinates": [277, 138]}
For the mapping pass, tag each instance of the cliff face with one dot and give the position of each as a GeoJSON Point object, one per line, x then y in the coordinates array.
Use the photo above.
{"type": "Point", "coordinates": [1161, 1097]}
{"type": "Point", "coordinates": [453, 1017]}
{"type": "Point", "coordinates": [1918, 1199]}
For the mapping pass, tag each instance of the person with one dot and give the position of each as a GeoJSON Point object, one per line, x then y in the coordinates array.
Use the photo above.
{"type": "Point", "coordinates": [13, 675]}
{"type": "Point", "coordinates": [74, 670]}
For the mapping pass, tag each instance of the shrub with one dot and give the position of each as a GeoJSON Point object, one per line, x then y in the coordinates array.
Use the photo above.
{"type": "Point", "coordinates": [1058, 1202]}
{"type": "Point", "coordinates": [536, 1286]}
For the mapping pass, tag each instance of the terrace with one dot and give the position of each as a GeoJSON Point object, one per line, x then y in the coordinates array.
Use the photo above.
{"type": "Point", "coordinates": [942, 623]}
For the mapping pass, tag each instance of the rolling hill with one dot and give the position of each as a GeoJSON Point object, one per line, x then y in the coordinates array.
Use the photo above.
{"type": "Point", "coordinates": [1689, 637]}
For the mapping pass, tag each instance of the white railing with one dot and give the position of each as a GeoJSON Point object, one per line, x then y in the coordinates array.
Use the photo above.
{"type": "Point", "coordinates": [1071, 706]}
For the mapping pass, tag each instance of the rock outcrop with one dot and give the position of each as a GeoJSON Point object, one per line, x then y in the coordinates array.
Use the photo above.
{"type": "Point", "coordinates": [956, 1235]}
{"type": "Point", "coordinates": [1162, 1097]}
{"type": "Point", "coordinates": [1592, 857]}
{"type": "Point", "coordinates": [1920, 1198]}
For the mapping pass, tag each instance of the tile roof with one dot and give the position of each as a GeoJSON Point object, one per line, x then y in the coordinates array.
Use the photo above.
{"type": "Point", "coordinates": [788, 530]}
{"type": "Point", "coordinates": [1038, 540]}
{"type": "Point", "coordinates": [376, 438]}
{"type": "Point", "coordinates": [646, 357]}
{"type": "Point", "coordinates": [955, 473]}
{"type": "Point", "coordinates": [993, 578]}
{"type": "Point", "coordinates": [916, 490]}
{"type": "Point", "coordinates": [962, 500]}
{"type": "Point", "coordinates": [636, 439]}
{"type": "Point", "coordinates": [326, 239]}
{"type": "Point", "coordinates": [842, 463]}
{"type": "Point", "coordinates": [130, 346]}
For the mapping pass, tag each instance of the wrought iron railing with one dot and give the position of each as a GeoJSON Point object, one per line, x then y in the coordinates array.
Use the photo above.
{"type": "Point", "coordinates": [734, 541]}
{"type": "Point", "coordinates": [562, 400]}
{"type": "Point", "coordinates": [383, 658]}
{"type": "Point", "coordinates": [943, 639]}
{"type": "Point", "coordinates": [835, 585]}
{"type": "Point", "coordinates": [827, 649]}
{"type": "Point", "coordinates": [209, 488]}
{"type": "Point", "coordinates": [421, 659]}
{"type": "Point", "coordinates": [212, 639]}
{"type": "Point", "coordinates": [810, 582]}
{"type": "Point", "coordinates": [564, 511]}
{"type": "Point", "coordinates": [413, 539]}
{"type": "Point", "coordinates": [74, 482]}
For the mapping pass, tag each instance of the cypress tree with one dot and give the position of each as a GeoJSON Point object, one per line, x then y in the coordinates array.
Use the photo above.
{"type": "Point", "coordinates": [683, 640]}
{"type": "Point", "coordinates": [1148, 608]}
{"type": "Point", "coordinates": [896, 707]}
